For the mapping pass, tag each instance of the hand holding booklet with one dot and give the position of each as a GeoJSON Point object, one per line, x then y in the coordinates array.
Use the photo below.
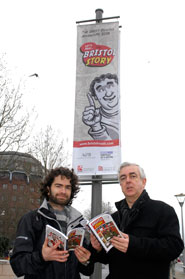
{"type": "Point", "coordinates": [104, 228]}
{"type": "Point", "coordinates": [73, 238]}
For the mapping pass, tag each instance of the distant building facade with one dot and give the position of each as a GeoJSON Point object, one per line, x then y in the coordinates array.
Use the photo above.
{"type": "Point", "coordinates": [20, 177]}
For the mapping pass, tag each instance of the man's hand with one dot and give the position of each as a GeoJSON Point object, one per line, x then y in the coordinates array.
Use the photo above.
{"type": "Point", "coordinates": [82, 254]}
{"type": "Point", "coordinates": [95, 243]}
{"type": "Point", "coordinates": [121, 243]}
{"type": "Point", "coordinates": [91, 116]}
{"type": "Point", "coordinates": [52, 253]}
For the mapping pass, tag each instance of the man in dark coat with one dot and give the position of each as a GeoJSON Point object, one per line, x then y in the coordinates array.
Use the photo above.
{"type": "Point", "coordinates": [150, 232]}
{"type": "Point", "coordinates": [31, 255]}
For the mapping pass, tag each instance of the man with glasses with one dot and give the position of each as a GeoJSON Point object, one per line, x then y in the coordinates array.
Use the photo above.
{"type": "Point", "coordinates": [150, 232]}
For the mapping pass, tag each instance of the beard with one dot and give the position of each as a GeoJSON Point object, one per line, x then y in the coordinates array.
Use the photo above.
{"type": "Point", "coordinates": [59, 201]}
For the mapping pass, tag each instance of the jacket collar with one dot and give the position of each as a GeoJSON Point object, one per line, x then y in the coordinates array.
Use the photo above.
{"type": "Point", "coordinates": [138, 203]}
{"type": "Point", "coordinates": [74, 216]}
{"type": "Point", "coordinates": [127, 215]}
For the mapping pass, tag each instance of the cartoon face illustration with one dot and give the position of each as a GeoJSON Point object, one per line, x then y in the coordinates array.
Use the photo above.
{"type": "Point", "coordinates": [104, 119]}
{"type": "Point", "coordinates": [106, 92]}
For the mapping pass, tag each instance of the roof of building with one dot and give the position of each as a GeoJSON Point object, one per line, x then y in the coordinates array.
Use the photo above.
{"type": "Point", "coordinates": [18, 161]}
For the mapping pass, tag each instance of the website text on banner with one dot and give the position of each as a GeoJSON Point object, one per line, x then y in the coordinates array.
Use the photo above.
{"type": "Point", "coordinates": [96, 145]}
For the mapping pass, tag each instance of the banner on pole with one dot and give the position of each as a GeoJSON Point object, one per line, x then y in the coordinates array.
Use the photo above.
{"type": "Point", "coordinates": [96, 142]}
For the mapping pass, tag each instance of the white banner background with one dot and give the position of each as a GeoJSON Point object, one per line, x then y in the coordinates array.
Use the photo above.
{"type": "Point", "coordinates": [96, 145]}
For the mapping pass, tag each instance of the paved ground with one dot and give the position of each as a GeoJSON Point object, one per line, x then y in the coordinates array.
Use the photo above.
{"type": "Point", "coordinates": [105, 272]}
{"type": "Point", "coordinates": [179, 274]}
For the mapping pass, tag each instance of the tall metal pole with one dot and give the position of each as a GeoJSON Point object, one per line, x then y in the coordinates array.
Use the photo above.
{"type": "Point", "coordinates": [182, 222]}
{"type": "Point", "coordinates": [99, 13]}
{"type": "Point", "coordinates": [181, 198]}
{"type": "Point", "coordinates": [96, 203]}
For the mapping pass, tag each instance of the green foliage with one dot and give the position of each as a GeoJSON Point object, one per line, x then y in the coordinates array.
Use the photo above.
{"type": "Point", "coordinates": [4, 245]}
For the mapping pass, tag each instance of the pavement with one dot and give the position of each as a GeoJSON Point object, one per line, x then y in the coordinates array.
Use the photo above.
{"type": "Point", "coordinates": [179, 273]}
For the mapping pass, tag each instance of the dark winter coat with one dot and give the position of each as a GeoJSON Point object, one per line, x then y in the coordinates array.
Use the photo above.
{"type": "Point", "coordinates": [27, 258]}
{"type": "Point", "coordinates": [154, 240]}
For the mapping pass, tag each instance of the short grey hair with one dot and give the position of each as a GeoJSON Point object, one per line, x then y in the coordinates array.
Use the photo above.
{"type": "Point", "coordinates": [126, 164]}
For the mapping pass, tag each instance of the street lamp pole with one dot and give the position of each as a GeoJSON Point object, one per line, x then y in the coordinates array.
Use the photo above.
{"type": "Point", "coordinates": [181, 199]}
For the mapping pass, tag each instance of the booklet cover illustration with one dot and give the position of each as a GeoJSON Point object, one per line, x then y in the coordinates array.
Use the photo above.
{"type": "Point", "coordinates": [104, 228]}
{"type": "Point", "coordinates": [73, 238]}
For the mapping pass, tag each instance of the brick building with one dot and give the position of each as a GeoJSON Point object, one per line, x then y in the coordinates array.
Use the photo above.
{"type": "Point", "coordinates": [20, 176]}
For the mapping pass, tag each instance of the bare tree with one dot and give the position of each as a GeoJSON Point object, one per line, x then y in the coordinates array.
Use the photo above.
{"type": "Point", "coordinates": [48, 147]}
{"type": "Point", "coordinates": [106, 207]}
{"type": "Point", "coordinates": [14, 122]}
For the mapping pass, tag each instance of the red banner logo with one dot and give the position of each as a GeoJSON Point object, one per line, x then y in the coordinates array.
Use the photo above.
{"type": "Point", "coordinates": [79, 168]}
{"type": "Point", "coordinates": [97, 55]}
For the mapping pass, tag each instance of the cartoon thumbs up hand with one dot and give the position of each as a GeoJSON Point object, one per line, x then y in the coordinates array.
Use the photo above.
{"type": "Point", "coordinates": [91, 115]}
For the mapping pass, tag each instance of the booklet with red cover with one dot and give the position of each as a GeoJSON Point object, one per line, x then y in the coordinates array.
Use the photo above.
{"type": "Point", "coordinates": [73, 238]}
{"type": "Point", "coordinates": [104, 228]}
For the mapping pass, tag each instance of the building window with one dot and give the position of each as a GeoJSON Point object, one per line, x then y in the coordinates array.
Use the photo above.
{"type": "Point", "coordinates": [22, 187]}
{"type": "Point", "coordinates": [2, 212]}
{"type": "Point", "coordinates": [14, 187]}
{"type": "Point", "coordinates": [14, 198]}
{"type": "Point", "coordinates": [4, 175]}
{"type": "Point", "coordinates": [38, 201]}
{"type": "Point", "coordinates": [19, 176]}
{"type": "Point", "coordinates": [5, 186]}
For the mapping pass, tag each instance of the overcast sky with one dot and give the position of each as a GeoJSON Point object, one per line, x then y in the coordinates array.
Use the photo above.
{"type": "Point", "coordinates": [39, 36]}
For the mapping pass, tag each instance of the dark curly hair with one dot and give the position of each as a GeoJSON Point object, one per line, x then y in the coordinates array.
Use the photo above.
{"type": "Point", "coordinates": [100, 78]}
{"type": "Point", "coordinates": [69, 174]}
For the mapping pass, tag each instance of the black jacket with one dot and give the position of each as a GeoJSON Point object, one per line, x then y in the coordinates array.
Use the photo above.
{"type": "Point", "coordinates": [154, 240]}
{"type": "Point", "coordinates": [27, 258]}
